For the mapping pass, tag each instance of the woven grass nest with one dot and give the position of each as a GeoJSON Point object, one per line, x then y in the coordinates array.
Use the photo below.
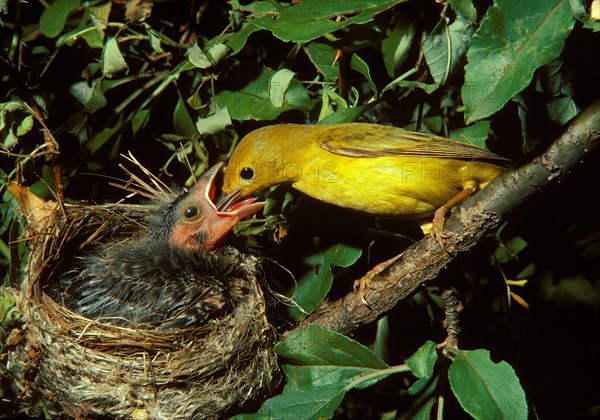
{"type": "Point", "coordinates": [83, 368]}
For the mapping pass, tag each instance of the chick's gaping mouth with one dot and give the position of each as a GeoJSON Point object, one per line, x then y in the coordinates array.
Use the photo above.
{"type": "Point", "coordinates": [230, 204]}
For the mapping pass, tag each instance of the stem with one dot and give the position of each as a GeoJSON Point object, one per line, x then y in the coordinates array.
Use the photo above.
{"type": "Point", "coordinates": [380, 373]}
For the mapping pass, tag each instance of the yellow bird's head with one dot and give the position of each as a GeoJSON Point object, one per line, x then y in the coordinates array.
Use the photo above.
{"type": "Point", "coordinates": [265, 157]}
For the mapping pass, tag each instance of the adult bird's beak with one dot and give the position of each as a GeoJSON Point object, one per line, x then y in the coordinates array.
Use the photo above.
{"type": "Point", "coordinates": [217, 219]}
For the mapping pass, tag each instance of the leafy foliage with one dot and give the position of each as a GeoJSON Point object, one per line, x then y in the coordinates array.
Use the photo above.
{"type": "Point", "coordinates": [178, 83]}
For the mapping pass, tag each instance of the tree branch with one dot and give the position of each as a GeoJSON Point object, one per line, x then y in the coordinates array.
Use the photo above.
{"type": "Point", "coordinates": [474, 219]}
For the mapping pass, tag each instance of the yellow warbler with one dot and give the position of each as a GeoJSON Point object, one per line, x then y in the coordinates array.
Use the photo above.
{"type": "Point", "coordinates": [370, 168]}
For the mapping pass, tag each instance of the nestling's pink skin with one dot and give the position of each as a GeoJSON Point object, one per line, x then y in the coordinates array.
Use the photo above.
{"type": "Point", "coordinates": [202, 223]}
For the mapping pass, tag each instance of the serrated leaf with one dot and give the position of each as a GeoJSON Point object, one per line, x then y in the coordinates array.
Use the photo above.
{"type": "Point", "coordinates": [310, 19]}
{"type": "Point", "coordinates": [112, 59]}
{"type": "Point", "coordinates": [314, 345]}
{"type": "Point", "coordinates": [487, 390]}
{"type": "Point", "coordinates": [312, 288]}
{"type": "Point", "coordinates": [502, 58]}
{"type": "Point", "coordinates": [422, 362]}
{"type": "Point", "coordinates": [278, 86]}
{"type": "Point", "coordinates": [53, 19]}
{"type": "Point", "coordinates": [446, 46]}
{"type": "Point", "coordinates": [253, 102]}
{"type": "Point", "coordinates": [475, 134]}
{"type": "Point", "coordinates": [214, 123]}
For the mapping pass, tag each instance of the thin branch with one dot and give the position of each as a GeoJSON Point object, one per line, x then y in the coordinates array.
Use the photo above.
{"type": "Point", "coordinates": [473, 220]}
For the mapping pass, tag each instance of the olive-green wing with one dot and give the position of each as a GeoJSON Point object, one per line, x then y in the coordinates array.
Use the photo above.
{"type": "Point", "coordinates": [371, 140]}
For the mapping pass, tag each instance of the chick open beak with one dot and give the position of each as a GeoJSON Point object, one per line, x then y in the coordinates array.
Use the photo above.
{"type": "Point", "coordinates": [221, 217]}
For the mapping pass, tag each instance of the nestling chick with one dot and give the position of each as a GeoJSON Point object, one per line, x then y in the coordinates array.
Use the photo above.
{"type": "Point", "coordinates": [171, 276]}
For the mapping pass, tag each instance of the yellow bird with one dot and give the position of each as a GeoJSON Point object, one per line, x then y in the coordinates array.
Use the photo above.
{"type": "Point", "coordinates": [370, 168]}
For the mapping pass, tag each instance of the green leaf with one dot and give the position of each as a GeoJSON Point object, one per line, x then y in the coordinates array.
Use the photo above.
{"type": "Point", "coordinates": [321, 367]}
{"type": "Point", "coordinates": [218, 52]}
{"type": "Point", "coordinates": [562, 110]}
{"type": "Point", "coordinates": [302, 377]}
{"type": "Point", "coordinates": [91, 97]}
{"type": "Point", "coordinates": [465, 8]}
{"type": "Point", "coordinates": [508, 250]}
{"type": "Point", "coordinates": [396, 46]}
{"type": "Point", "coordinates": [312, 288]}
{"type": "Point", "coordinates": [99, 15]}
{"type": "Point", "coordinates": [278, 86]}
{"type": "Point", "coordinates": [322, 56]}
{"type": "Point", "coordinates": [253, 102]}
{"type": "Point", "coordinates": [16, 119]}
{"type": "Point", "coordinates": [155, 39]}
{"type": "Point", "coordinates": [139, 120]}
{"type": "Point", "coordinates": [309, 403]}
{"type": "Point", "coordinates": [326, 107]}
{"type": "Point", "coordinates": [112, 59]}
{"type": "Point", "coordinates": [344, 115]}
{"type": "Point", "coordinates": [527, 271]}
{"type": "Point", "coordinates": [486, 390]}
{"type": "Point", "coordinates": [105, 135]}
{"type": "Point", "coordinates": [88, 33]}
{"type": "Point", "coordinates": [475, 134]}
{"type": "Point", "coordinates": [362, 67]}
{"type": "Point", "coordinates": [198, 58]}
{"type": "Point", "coordinates": [237, 40]}
{"type": "Point", "coordinates": [182, 122]}
{"type": "Point", "coordinates": [53, 19]}
{"type": "Point", "coordinates": [446, 46]}
{"type": "Point", "coordinates": [502, 58]}
{"type": "Point", "coordinates": [214, 123]}
{"type": "Point", "coordinates": [310, 19]}
{"type": "Point", "coordinates": [314, 345]}
{"type": "Point", "coordinates": [422, 362]}
{"type": "Point", "coordinates": [411, 84]}
{"type": "Point", "coordinates": [424, 395]}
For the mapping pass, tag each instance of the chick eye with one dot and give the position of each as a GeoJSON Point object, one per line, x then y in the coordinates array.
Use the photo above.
{"type": "Point", "coordinates": [247, 173]}
{"type": "Point", "coordinates": [190, 212]}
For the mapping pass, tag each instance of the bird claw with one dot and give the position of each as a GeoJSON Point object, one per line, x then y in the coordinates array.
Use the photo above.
{"type": "Point", "coordinates": [366, 282]}
{"type": "Point", "coordinates": [360, 287]}
{"type": "Point", "coordinates": [437, 231]}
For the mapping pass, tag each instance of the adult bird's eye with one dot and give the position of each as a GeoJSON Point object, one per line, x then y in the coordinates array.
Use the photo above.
{"type": "Point", "coordinates": [247, 173]}
{"type": "Point", "coordinates": [190, 212]}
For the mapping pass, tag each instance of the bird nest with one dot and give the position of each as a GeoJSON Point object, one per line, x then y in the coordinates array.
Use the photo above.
{"type": "Point", "coordinates": [80, 367]}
